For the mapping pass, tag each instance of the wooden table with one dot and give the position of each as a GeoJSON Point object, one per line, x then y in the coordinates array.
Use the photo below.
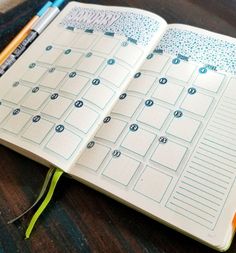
{"type": "Point", "coordinates": [80, 219]}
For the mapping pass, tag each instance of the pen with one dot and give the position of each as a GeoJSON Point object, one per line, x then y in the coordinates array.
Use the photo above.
{"type": "Point", "coordinates": [22, 34]}
{"type": "Point", "coordinates": [36, 30]}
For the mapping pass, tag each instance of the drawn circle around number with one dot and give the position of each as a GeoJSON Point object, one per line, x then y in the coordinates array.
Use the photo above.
{"type": "Point", "coordinates": [202, 70]}
{"type": "Point", "coordinates": [111, 61]}
{"type": "Point", "coordinates": [163, 139]}
{"type": "Point", "coordinates": [107, 119]}
{"type": "Point", "coordinates": [137, 75]}
{"type": "Point", "coordinates": [68, 51]}
{"type": "Point", "coordinates": [51, 70]}
{"type": "Point", "coordinates": [72, 74]}
{"type": "Point", "coordinates": [163, 80]}
{"type": "Point", "coordinates": [35, 89]}
{"type": "Point", "coordinates": [89, 54]}
{"type": "Point", "coordinates": [36, 118]}
{"type": "Point", "coordinates": [124, 44]}
{"type": "Point", "coordinates": [192, 91]}
{"type": "Point", "coordinates": [116, 153]}
{"type": "Point", "coordinates": [16, 111]}
{"type": "Point", "coordinates": [78, 103]}
{"type": "Point", "coordinates": [15, 84]}
{"type": "Point", "coordinates": [90, 144]}
{"type": "Point", "coordinates": [96, 81]}
{"type": "Point", "coordinates": [54, 96]}
{"type": "Point", "coordinates": [150, 56]}
{"type": "Point", "coordinates": [59, 128]}
{"type": "Point", "coordinates": [178, 114]}
{"type": "Point", "coordinates": [133, 127]}
{"type": "Point", "coordinates": [149, 102]}
{"type": "Point", "coordinates": [176, 61]}
{"type": "Point", "coordinates": [32, 65]}
{"type": "Point", "coordinates": [123, 96]}
{"type": "Point", "coordinates": [48, 48]}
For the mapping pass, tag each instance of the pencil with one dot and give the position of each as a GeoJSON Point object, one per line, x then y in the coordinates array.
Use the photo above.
{"type": "Point", "coordinates": [22, 34]}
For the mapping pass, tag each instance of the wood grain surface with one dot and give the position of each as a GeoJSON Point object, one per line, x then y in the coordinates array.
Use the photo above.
{"type": "Point", "coordinates": [80, 219]}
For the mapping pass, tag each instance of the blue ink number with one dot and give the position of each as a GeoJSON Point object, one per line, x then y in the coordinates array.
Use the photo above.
{"type": "Point", "coordinates": [54, 96]}
{"type": "Point", "coordinates": [133, 127]}
{"type": "Point", "coordinates": [163, 139]}
{"type": "Point", "coordinates": [59, 128]}
{"type": "Point", "coordinates": [96, 81]}
{"type": "Point", "coordinates": [116, 153]}
{"type": "Point", "coordinates": [123, 96]}
{"type": "Point", "coordinates": [178, 114]}
{"type": "Point", "coordinates": [107, 119]}
{"type": "Point", "coordinates": [192, 91]}
{"type": "Point", "coordinates": [149, 102]}
{"type": "Point", "coordinates": [162, 80]}
{"type": "Point", "coordinates": [111, 61]}
{"type": "Point", "coordinates": [90, 144]}
{"type": "Point", "coordinates": [16, 111]}
{"type": "Point", "coordinates": [78, 103]}
{"type": "Point", "coordinates": [176, 61]}
{"type": "Point", "coordinates": [36, 118]}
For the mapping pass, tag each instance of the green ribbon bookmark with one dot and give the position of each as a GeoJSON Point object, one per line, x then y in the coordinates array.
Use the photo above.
{"type": "Point", "coordinates": [42, 192]}
{"type": "Point", "coordinates": [56, 176]}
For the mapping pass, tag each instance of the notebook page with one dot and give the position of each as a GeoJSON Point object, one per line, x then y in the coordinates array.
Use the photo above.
{"type": "Point", "coordinates": [55, 97]}
{"type": "Point", "coordinates": [168, 147]}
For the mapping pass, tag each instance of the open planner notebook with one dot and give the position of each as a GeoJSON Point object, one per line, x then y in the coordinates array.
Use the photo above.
{"type": "Point", "coordinates": [142, 111]}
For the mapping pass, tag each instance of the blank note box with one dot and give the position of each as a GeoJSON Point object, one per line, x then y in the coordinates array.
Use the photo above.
{"type": "Point", "coordinates": [168, 92]}
{"type": "Point", "coordinates": [197, 103]}
{"type": "Point", "coordinates": [112, 130]}
{"type": "Point", "coordinates": [57, 107]}
{"type": "Point", "coordinates": [169, 154]}
{"type": "Point", "coordinates": [35, 100]}
{"type": "Point", "coordinates": [182, 71]}
{"type": "Point", "coordinates": [84, 40]}
{"type": "Point", "coordinates": [16, 94]}
{"type": "Point", "coordinates": [4, 112]}
{"type": "Point", "coordinates": [64, 143]}
{"type": "Point", "coordinates": [121, 169]}
{"type": "Point", "coordinates": [116, 74]}
{"type": "Point", "coordinates": [53, 79]}
{"type": "Point", "coordinates": [153, 184]}
{"type": "Point", "coordinates": [37, 131]}
{"type": "Point", "coordinates": [65, 38]}
{"type": "Point", "coordinates": [74, 85]}
{"type": "Point", "coordinates": [17, 122]}
{"type": "Point", "coordinates": [50, 56]}
{"type": "Point", "coordinates": [97, 152]}
{"type": "Point", "coordinates": [141, 84]}
{"type": "Point", "coordinates": [90, 64]}
{"type": "Point", "coordinates": [105, 45]}
{"type": "Point", "coordinates": [138, 142]}
{"type": "Point", "coordinates": [230, 91]}
{"type": "Point", "coordinates": [68, 60]}
{"type": "Point", "coordinates": [129, 54]}
{"type": "Point", "coordinates": [184, 128]}
{"type": "Point", "coordinates": [156, 63]}
{"type": "Point", "coordinates": [154, 116]}
{"type": "Point", "coordinates": [34, 74]}
{"type": "Point", "coordinates": [99, 95]}
{"type": "Point", "coordinates": [82, 118]}
{"type": "Point", "coordinates": [127, 106]}
{"type": "Point", "coordinates": [209, 81]}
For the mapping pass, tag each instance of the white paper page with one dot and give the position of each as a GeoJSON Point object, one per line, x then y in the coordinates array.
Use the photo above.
{"type": "Point", "coordinates": [56, 95]}
{"type": "Point", "coordinates": [168, 147]}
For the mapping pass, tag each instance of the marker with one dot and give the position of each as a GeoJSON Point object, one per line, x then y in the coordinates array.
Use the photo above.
{"type": "Point", "coordinates": [37, 29]}
{"type": "Point", "coordinates": [22, 34]}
